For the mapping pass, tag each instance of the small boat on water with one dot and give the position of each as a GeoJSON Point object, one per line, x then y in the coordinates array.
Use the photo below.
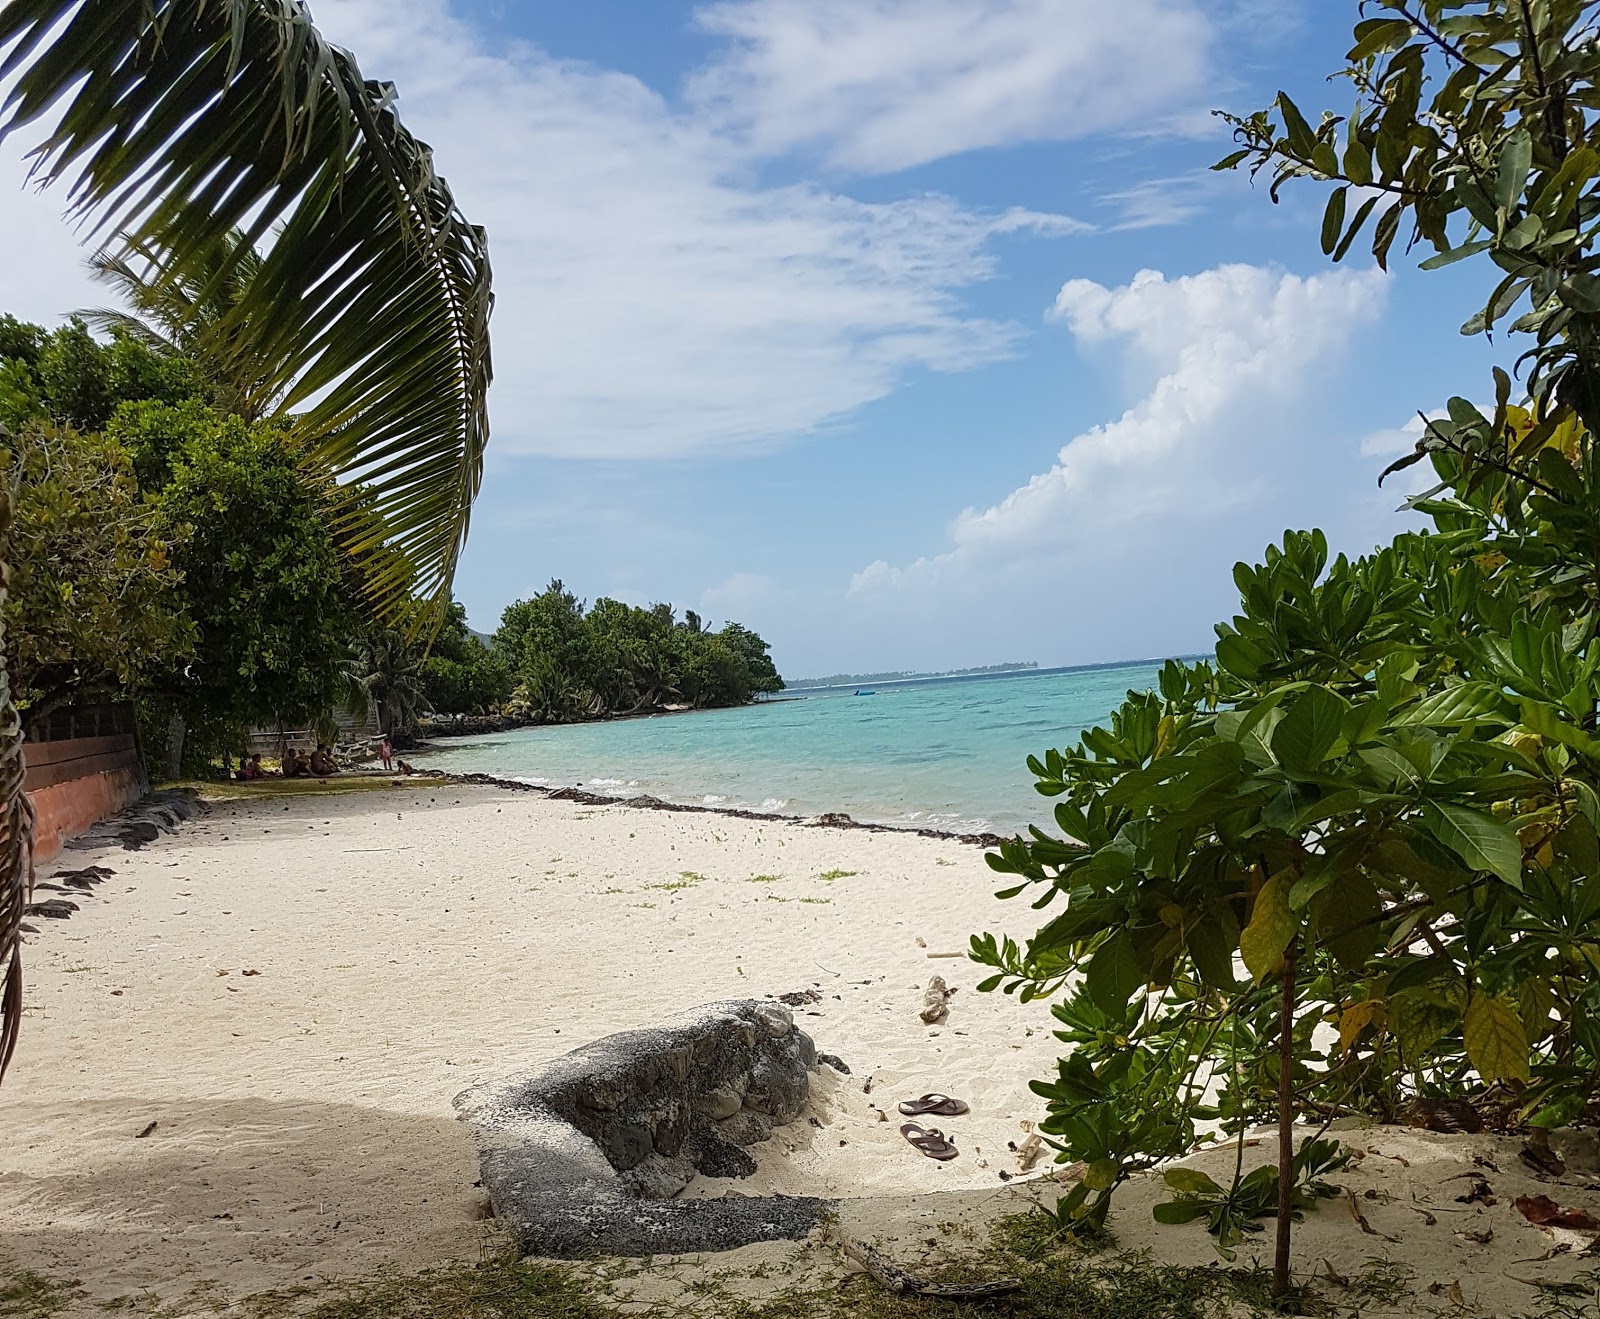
{"type": "Point", "coordinates": [865, 691]}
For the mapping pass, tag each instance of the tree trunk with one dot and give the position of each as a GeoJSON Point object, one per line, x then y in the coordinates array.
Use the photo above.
{"type": "Point", "coordinates": [1280, 1259]}
{"type": "Point", "coordinates": [175, 732]}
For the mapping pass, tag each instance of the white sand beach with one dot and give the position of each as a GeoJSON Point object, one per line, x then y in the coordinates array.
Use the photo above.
{"type": "Point", "coordinates": [240, 1054]}
{"type": "Point", "coordinates": [294, 988]}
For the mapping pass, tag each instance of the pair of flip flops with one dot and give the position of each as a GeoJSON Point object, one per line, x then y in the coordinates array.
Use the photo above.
{"type": "Point", "coordinates": [930, 1140]}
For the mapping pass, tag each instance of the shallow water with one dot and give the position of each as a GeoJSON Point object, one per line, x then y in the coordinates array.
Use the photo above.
{"type": "Point", "coordinates": [948, 753]}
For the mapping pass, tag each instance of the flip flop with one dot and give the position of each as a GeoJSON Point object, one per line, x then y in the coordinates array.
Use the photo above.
{"type": "Point", "coordinates": [938, 1105]}
{"type": "Point", "coordinates": [929, 1141]}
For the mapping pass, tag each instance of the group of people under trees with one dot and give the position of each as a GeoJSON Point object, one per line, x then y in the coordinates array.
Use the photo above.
{"type": "Point", "coordinates": [318, 764]}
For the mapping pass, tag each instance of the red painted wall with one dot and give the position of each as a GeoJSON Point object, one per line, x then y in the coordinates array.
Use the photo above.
{"type": "Point", "coordinates": [77, 782]}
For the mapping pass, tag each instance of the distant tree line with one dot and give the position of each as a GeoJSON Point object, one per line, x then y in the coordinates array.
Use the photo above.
{"type": "Point", "coordinates": [572, 662]}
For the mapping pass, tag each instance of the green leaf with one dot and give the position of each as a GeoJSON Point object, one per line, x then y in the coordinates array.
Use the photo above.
{"type": "Point", "coordinates": [1272, 925]}
{"type": "Point", "coordinates": [1302, 141]}
{"type": "Point", "coordinates": [1465, 703]}
{"type": "Point", "coordinates": [1418, 1024]}
{"type": "Point", "coordinates": [1479, 840]}
{"type": "Point", "coordinates": [1552, 725]}
{"type": "Point", "coordinates": [1175, 1213]}
{"type": "Point", "coordinates": [1392, 769]}
{"type": "Point", "coordinates": [1211, 944]}
{"type": "Point", "coordinates": [1114, 975]}
{"type": "Point", "coordinates": [1516, 157]}
{"type": "Point", "coordinates": [1101, 1175]}
{"type": "Point", "coordinates": [1309, 730]}
{"type": "Point", "coordinates": [1376, 35]}
{"type": "Point", "coordinates": [1496, 1043]}
{"type": "Point", "coordinates": [1190, 1181]}
{"type": "Point", "coordinates": [1333, 219]}
{"type": "Point", "coordinates": [1454, 254]}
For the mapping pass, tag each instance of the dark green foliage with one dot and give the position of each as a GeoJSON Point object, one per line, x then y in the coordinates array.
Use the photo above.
{"type": "Point", "coordinates": [262, 580]}
{"type": "Point", "coordinates": [1231, 1211]}
{"type": "Point", "coordinates": [1390, 769]}
{"type": "Point", "coordinates": [385, 668]}
{"type": "Point", "coordinates": [69, 377]}
{"type": "Point", "coordinates": [461, 674]}
{"type": "Point", "coordinates": [94, 605]}
{"type": "Point", "coordinates": [572, 663]}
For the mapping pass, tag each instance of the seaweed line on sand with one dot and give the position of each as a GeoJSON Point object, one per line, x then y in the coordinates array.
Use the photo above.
{"type": "Point", "coordinates": [830, 820]}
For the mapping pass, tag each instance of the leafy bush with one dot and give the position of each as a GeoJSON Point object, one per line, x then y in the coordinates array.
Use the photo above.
{"type": "Point", "coordinates": [1376, 809]}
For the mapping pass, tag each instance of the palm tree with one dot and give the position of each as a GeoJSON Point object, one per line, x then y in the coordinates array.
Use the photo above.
{"type": "Point", "coordinates": [386, 669]}
{"type": "Point", "coordinates": [187, 314]}
{"type": "Point", "coordinates": [194, 130]}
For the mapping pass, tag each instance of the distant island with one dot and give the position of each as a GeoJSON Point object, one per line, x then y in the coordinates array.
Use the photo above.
{"type": "Point", "coordinates": [855, 679]}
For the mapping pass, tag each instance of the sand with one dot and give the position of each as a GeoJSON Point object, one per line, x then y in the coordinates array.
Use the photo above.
{"type": "Point", "coordinates": [409, 943]}
{"type": "Point", "coordinates": [239, 1057]}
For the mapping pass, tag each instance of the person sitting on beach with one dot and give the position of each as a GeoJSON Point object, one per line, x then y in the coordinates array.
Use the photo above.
{"type": "Point", "coordinates": [297, 765]}
{"type": "Point", "coordinates": [250, 770]}
{"type": "Point", "coordinates": [322, 761]}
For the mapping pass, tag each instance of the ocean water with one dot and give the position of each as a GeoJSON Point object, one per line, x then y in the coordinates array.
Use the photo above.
{"type": "Point", "coordinates": [943, 753]}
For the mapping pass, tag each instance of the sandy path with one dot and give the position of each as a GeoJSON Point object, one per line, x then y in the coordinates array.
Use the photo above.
{"type": "Point", "coordinates": [414, 941]}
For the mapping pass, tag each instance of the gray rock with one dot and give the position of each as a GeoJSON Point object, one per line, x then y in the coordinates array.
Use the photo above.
{"type": "Point", "coordinates": [717, 1104]}
{"type": "Point", "coordinates": [584, 1155]}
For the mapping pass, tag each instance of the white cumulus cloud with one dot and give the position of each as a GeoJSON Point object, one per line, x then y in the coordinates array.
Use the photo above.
{"type": "Point", "coordinates": [1165, 496]}
{"type": "Point", "coordinates": [879, 85]}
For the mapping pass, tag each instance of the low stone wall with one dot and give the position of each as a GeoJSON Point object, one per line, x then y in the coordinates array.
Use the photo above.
{"type": "Point", "coordinates": [73, 783]}
{"type": "Point", "coordinates": [582, 1156]}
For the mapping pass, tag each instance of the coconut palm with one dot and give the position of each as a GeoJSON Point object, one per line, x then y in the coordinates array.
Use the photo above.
{"type": "Point", "coordinates": [199, 132]}
{"type": "Point", "coordinates": [187, 315]}
{"type": "Point", "coordinates": [385, 669]}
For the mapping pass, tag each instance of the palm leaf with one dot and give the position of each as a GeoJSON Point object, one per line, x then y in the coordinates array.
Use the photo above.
{"type": "Point", "coordinates": [192, 128]}
{"type": "Point", "coordinates": [16, 832]}
{"type": "Point", "coordinates": [183, 121]}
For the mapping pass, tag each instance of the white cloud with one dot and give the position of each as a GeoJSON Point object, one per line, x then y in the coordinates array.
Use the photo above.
{"type": "Point", "coordinates": [879, 85]}
{"type": "Point", "coordinates": [652, 301]}
{"type": "Point", "coordinates": [1178, 485]}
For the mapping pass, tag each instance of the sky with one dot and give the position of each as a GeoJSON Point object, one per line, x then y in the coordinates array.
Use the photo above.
{"type": "Point", "coordinates": [914, 334]}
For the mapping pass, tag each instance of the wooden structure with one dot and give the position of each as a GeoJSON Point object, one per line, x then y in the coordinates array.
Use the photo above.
{"type": "Point", "coordinates": [82, 766]}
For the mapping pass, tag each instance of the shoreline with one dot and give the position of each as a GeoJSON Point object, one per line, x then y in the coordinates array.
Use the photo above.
{"type": "Point", "coordinates": [645, 802]}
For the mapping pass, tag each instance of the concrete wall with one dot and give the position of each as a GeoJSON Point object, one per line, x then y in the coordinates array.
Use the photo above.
{"type": "Point", "coordinates": [76, 782]}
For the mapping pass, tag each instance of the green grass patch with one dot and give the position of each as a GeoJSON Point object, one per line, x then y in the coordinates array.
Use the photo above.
{"type": "Point", "coordinates": [764, 879]}
{"type": "Point", "coordinates": [828, 876]}
{"type": "Point", "coordinates": [1059, 1280]}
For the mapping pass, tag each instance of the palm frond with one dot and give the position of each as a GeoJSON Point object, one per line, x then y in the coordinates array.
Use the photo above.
{"type": "Point", "coordinates": [183, 121]}
{"type": "Point", "coordinates": [16, 831]}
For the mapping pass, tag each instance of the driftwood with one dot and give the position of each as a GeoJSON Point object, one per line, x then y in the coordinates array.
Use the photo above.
{"type": "Point", "coordinates": [902, 1283]}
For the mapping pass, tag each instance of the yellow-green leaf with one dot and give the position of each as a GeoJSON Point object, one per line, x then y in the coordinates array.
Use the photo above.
{"type": "Point", "coordinates": [1496, 1043]}
{"type": "Point", "coordinates": [1100, 1174]}
{"type": "Point", "coordinates": [1272, 925]}
{"type": "Point", "coordinates": [1355, 1019]}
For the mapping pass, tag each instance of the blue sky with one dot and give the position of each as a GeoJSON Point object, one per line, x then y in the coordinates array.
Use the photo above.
{"type": "Point", "coordinates": [911, 333]}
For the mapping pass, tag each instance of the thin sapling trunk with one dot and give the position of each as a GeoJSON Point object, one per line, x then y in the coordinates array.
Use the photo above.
{"type": "Point", "coordinates": [1280, 1259]}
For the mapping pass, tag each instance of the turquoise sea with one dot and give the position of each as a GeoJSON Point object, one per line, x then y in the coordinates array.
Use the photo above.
{"type": "Point", "coordinates": [942, 753]}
